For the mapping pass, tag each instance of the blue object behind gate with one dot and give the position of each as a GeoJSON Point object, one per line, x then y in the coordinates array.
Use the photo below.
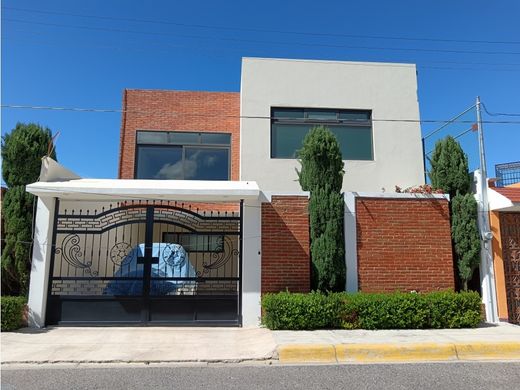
{"type": "Point", "coordinates": [173, 263]}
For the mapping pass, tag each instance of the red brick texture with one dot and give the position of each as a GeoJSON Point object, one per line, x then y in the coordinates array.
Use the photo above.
{"type": "Point", "coordinates": [285, 245]}
{"type": "Point", "coordinates": [403, 245]}
{"type": "Point", "coordinates": [178, 110]}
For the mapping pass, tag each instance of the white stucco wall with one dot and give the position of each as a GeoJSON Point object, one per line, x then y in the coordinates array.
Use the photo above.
{"type": "Point", "coordinates": [389, 90]}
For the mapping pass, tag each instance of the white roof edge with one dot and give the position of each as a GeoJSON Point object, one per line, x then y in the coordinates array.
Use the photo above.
{"type": "Point", "coordinates": [186, 190]}
{"type": "Point", "coordinates": [403, 64]}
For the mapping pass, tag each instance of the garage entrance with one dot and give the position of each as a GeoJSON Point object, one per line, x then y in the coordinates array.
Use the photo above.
{"type": "Point", "coordinates": [145, 262]}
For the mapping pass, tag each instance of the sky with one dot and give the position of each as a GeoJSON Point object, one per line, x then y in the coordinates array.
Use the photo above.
{"type": "Point", "coordinates": [83, 54]}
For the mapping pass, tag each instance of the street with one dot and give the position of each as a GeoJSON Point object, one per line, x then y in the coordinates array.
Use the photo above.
{"type": "Point", "coordinates": [478, 375]}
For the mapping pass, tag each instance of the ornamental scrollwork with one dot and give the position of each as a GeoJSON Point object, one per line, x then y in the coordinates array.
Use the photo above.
{"type": "Point", "coordinates": [71, 252]}
{"type": "Point", "coordinates": [222, 256]}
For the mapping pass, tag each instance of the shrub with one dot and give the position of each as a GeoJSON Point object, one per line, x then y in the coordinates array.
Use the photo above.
{"type": "Point", "coordinates": [12, 312]}
{"type": "Point", "coordinates": [371, 311]}
{"type": "Point", "coordinates": [298, 311]}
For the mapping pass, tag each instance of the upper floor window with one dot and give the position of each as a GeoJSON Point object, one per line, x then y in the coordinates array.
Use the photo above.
{"type": "Point", "coordinates": [177, 155]}
{"type": "Point", "coordinates": [352, 128]}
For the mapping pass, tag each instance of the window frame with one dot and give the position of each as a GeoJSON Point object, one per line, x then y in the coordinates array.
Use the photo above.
{"type": "Point", "coordinates": [183, 147]}
{"type": "Point", "coordinates": [325, 122]}
{"type": "Point", "coordinates": [197, 250]}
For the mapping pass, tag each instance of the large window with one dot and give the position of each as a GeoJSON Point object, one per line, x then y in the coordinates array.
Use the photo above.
{"type": "Point", "coordinates": [179, 155]}
{"type": "Point", "coordinates": [352, 128]}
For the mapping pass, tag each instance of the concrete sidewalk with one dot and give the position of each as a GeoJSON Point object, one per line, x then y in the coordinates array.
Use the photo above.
{"type": "Point", "coordinates": [167, 344]}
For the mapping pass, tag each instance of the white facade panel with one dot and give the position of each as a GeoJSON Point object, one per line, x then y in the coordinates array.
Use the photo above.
{"type": "Point", "coordinates": [388, 90]}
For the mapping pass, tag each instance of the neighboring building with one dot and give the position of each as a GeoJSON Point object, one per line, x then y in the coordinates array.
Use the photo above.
{"type": "Point", "coordinates": [254, 135]}
{"type": "Point", "coordinates": [507, 174]}
{"type": "Point", "coordinates": [504, 205]}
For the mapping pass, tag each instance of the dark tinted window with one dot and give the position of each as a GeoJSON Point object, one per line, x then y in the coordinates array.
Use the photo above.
{"type": "Point", "coordinates": [182, 156]}
{"type": "Point", "coordinates": [352, 128]}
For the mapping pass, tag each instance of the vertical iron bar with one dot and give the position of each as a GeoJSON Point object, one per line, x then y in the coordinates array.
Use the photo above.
{"type": "Point", "coordinates": [147, 266]}
{"type": "Point", "coordinates": [240, 252]}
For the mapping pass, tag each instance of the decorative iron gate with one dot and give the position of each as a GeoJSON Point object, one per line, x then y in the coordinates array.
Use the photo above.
{"type": "Point", "coordinates": [510, 232]}
{"type": "Point", "coordinates": [145, 263]}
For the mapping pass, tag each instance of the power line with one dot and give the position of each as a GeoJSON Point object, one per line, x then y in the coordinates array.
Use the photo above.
{"type": "Point", "coordinates": [229, 28]}
{"type": "Point", "coordinates": [162, 43]}
{"type": "Point", "coordinates": [184, 114]}
{"type": "Point", "coordinates": [335, 46]}
{"type": "Point", "coordinates": [497, 113]}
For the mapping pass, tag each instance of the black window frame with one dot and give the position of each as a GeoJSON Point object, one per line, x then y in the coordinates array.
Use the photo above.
{"type": "Point", "coordinates": [325, 122]}
{"type": "Point", "coordinates": [183, 146]}
{"type": "Point", "coordinates": [175, 238]}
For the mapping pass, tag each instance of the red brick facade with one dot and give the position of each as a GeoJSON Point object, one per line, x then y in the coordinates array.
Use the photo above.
{"type": "Point", "coordinates": [403, 244]}
{"type": "Point", "coordinates": [181, 111]}
{"type": "Point", "coordinates": [285, 244]}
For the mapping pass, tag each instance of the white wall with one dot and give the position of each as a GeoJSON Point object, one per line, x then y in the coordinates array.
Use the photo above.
{"type": "Point", "coordinates": [41, 259]}
{"type": "Point", "coordinates": [389, 90]}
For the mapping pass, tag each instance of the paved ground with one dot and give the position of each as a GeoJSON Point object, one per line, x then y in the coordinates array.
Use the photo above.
{"type": "Point", "coordinates": [459, 376]}
{"type": "Point", "coordinates": [136, 344]}
{"type": "Point", "coordinates": [170, 344]}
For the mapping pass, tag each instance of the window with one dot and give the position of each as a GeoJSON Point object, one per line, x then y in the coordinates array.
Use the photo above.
{"type": "Point", "coordinates": [352, 128]}
{"type": "Point", "coordinates": [176, 155]}
{"type": "Point", "coordinates": [192, 242]}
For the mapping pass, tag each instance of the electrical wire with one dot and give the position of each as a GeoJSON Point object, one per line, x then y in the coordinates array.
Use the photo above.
{"type": "Point", "coordinates": [184, 114]}
{"type": "Point", "coordinates": [229, 28]}
{"type": "Point", "coordinates": [277, 42]}
{"type": "Point", "coordinates": [498, 113]}
{"type": "Point", "coordinates": [162, 44]}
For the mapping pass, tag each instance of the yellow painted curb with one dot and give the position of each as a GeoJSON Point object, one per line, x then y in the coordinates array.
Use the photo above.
{"type": "Point", "coordinates": [478, 351]}
{"type": "Point", "coordinates": [395, 352]}
{"type": "Point", "coordinates": [307, 353]}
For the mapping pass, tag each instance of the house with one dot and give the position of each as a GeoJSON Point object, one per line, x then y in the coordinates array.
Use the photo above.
{"type": "Point", "coordinates": [504, 205]}
{"type": "Point", "coordinates": [207, 213]}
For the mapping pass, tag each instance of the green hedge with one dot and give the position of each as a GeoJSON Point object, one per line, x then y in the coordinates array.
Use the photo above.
{"type": "Point", "coordinates": [371, 311]}
{"type": "Point", "coordinates": [12, 312]}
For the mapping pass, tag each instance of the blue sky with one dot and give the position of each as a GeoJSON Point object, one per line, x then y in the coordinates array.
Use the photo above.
{"type": "Point", "coordinates": [54, 54]}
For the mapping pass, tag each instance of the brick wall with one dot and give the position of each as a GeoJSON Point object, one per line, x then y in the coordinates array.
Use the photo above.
{"type": "Point", "coordinates": [285, 244]}
{"type": "Point", "coordinates": [403, 244]}
{"type": "Point", "coordinates": [181, 111]}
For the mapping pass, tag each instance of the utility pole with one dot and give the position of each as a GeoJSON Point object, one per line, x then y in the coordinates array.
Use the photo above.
{"type": "Point", "coordinates": [487, 274]}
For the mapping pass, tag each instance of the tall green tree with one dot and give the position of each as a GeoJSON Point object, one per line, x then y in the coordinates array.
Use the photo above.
{"type": "Point", "coordinates": [449, 168]}
{"type": "Point", "coordinates": [22, 150]}
{"type": "Point", "coordinates": [449, 172]}
{"type": "Point", "coordinates": [322, 174]}
{"type": "Point", "coordinates": [465, 235]}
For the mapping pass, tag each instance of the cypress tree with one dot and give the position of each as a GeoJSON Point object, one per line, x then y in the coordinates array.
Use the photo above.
{"type": "Point", "coordinates": [449, 172]}
{"type": "Point", "coordinates": [22, 150]}
{"type": "Point", "coordinates": [322, 174]}
{"type": "Point", "coordinates": [449, 167]}
{"type": "Point", "coordinates": [465, 235]}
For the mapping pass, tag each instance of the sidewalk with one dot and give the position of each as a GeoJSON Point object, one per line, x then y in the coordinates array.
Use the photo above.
{"type": "Point", "coordinates": [169, 344]}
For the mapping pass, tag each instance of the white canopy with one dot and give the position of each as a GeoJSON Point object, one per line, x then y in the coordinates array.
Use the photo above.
{"type": "Point", "coordinates": [58, 182]}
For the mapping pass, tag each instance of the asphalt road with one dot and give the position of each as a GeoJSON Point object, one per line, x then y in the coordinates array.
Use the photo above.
{"type": "Point", "coordinates": [457, 376]}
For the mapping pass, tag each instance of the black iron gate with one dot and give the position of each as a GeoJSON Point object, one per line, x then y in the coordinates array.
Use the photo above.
{"type": "Point", "coordinates": [145, 263]}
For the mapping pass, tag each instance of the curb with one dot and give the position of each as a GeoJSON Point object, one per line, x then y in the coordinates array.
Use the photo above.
{"type": "Point", "coordinates": [373, 353]}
